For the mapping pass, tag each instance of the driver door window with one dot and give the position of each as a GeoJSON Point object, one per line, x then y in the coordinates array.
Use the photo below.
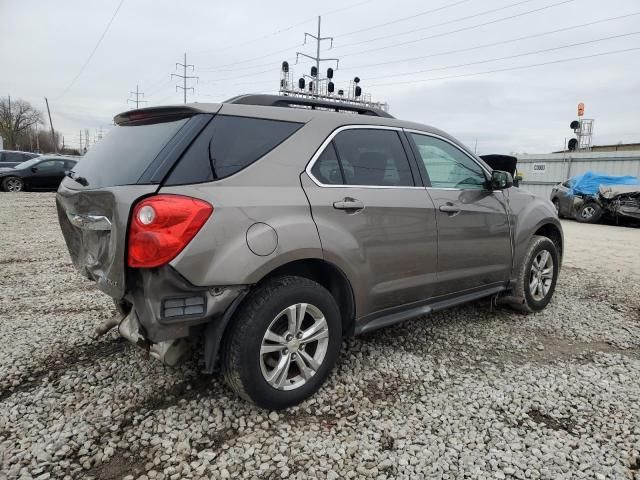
{"type": "Point", "coordinates": [447, 166]}
{"type": "Point", "coordinates": [51, 166]}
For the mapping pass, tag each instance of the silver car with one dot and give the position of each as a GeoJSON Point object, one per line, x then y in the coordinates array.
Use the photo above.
{"type": "Point", "coordinates": [268, 228]}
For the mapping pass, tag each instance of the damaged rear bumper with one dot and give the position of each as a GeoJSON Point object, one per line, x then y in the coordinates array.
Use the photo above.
{"type": "Point", "coordinates": [169, 307]}
{"type": "Point", "coordinates": [163, 312]}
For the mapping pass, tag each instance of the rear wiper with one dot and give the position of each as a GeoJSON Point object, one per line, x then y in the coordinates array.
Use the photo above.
{"type": "Point", "coordinates": [77, 178]}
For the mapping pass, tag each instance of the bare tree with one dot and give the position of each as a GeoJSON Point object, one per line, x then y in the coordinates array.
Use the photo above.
{"type": "Point", "coordinates": [17, 117]}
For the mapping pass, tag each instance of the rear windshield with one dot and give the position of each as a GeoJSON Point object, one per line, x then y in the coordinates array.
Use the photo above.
{"type": "Point", "coordinates": [122, 156]}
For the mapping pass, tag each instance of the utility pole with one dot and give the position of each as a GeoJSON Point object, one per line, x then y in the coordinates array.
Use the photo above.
{"type": "Point", "coordinates": [80, 140]}
{"type": "Point", "coordinates": [53, 135]}
{"type": "Point", "coordinates": [184, 77]}
{"type": "Point", "coordinates": [318, 38]}
{"type": "Point", "coordinates": [137, 100]}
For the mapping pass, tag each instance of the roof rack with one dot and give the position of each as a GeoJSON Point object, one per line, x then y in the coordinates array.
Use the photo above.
{"type": "Point", "coordinates": [312, 103]}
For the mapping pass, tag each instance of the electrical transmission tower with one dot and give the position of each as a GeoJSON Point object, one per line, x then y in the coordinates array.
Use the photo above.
{"type": "Point", "coordinates": [320, 87]}
{"type": "Point", "coordinates": [138, 94]}
{"type": "Point", "coordinates": [315, 79]}
{"type": "Point", "coordinates": [184, 77]}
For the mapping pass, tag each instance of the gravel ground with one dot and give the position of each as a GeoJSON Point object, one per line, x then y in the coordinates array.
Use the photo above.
{"type": "Point", "coordinates": [466, 393]}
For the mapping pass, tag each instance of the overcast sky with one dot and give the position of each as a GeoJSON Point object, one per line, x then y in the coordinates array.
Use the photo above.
{"type": "Point", "coordinates": [237, 47]}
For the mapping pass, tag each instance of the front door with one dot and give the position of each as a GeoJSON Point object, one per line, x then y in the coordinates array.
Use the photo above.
{"type": "Point", "coordinates": [47, 175]}
{"type": "Point", "coordinates": [374, 221]}
{"type": "Point", "coordinates": [474, 240]}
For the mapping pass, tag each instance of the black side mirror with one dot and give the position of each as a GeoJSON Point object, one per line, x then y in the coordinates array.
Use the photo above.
{"type": "Point", "coordinates": [501, 180]}
{"type": "Point", "coordinates": [34, 169]}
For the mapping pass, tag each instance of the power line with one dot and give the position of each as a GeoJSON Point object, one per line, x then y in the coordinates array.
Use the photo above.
{"type": "Point", "coordinates": [419, 14]}
{"type": "Point", "coordinates": [282, 30]}
{"type": "Point", "coordinates": [184, 77]}
{"type": "Point", "coordinates": [411, 41]}
{"type": "Point", "coordinates": [506, 69]}
{"type": "Point", "coordinates": [95, 48]}
{"type": "Point", "coordinates": [277, 52]}
{"type": "Point", "coordinates": [493, 44]}
{"type": "Point", "coordinates": [509, 57]}
{"type": "Point", "coordinates": [433, 25]}
{"type": "Point", "coordinates": [450, 32]}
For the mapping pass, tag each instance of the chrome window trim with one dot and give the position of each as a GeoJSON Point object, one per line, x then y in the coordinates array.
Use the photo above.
{"type": "Point", "coordinates": [328, 140]}
{"type": "Point", "coordinates": [444, 139]}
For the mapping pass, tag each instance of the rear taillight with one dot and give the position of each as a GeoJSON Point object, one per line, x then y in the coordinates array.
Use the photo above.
{"type": "Point", "coordinates": [162, 226]}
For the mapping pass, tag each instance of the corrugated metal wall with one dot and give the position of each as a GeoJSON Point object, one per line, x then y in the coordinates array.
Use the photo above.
{"type": "Point", "coordinates": [541, 172]}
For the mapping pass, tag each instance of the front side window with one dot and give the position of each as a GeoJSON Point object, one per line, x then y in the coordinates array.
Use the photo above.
{"type": "Point", "coordinates": [372, 157]}
{"type": "Point", "coordinates": [50, 165]}
{"type": "Point", "coordinates": [447, 166]}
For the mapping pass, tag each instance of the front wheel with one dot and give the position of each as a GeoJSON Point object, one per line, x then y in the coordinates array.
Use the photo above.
{"type": "Point", "coordinates": [13, 184]}
{"type": "Point", "coordinates": [589, 212]}
{"type": "Point", "coordinates": [283, 342]}
{"type": "Point", "coordinates": [538, 274]}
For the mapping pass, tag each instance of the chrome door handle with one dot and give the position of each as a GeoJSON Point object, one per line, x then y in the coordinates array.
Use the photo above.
{"type": "Point", "coordinates": [349, 204]}
{"type": "Point", "coordinates": [449, 208]}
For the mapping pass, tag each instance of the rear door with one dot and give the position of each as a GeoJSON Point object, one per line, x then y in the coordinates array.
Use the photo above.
{"type": "Point", "coordinates": [474, 239]}
{"type": "Point", "coordinates": [94, 203]}
{"type": "Point", "coordinates": [374, 219]}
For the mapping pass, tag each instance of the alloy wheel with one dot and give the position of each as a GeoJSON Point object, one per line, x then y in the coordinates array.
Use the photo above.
{"type": "Point", "coordinates": [541, 275]}
{"type": "Point", "coordinates": [294, 346]}
{"type": "Point", "coordinates": [14, 185]}
{"type": "Point", "coordinates": [587, 212]}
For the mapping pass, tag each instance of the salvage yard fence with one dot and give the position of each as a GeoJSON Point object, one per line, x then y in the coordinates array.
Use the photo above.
{"type": "Point", "coordinates": [541, 172]}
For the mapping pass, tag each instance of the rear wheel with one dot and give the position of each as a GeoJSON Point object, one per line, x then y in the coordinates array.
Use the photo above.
{"type": "Point", "coordinates": [538, 274]}
{"type": "Point", "coordinates": [283, 342]}
{"type": "Point", "coordinates": [13, 184]}
{"type": "Point", "coordinates": [589, 212]}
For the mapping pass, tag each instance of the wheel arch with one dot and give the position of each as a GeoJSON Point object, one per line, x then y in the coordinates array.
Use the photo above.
{"type": "Point", "coordinates": [325, 273]}
{"type": "Point", "coordinates": [553, 233]}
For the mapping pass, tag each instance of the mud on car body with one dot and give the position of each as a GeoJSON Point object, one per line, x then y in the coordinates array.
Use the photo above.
{"type": "Point", "coordinates": [271, 232]}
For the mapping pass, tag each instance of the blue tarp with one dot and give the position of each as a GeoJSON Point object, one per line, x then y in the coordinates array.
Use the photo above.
{"type": "Point", "coordinates": [589, 183]}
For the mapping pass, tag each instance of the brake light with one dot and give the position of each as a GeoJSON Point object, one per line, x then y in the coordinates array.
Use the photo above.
{"type": "Point", "coordinates": [162, 226]}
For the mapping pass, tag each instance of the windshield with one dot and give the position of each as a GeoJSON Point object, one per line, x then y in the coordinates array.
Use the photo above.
{"type": "Point", "coordinates": [28, 163]}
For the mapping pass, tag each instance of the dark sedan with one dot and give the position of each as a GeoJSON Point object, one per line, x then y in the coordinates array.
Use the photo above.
{"type": "Point", "coordinates": [40, 173]}
{"type": "Point", "coordinates": [11, 158]}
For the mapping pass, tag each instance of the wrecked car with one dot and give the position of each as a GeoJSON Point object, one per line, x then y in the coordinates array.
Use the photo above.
{"type": "Point", "coordinates": [265, 233]}
{"type": "Point", "coordinates": [592, 197]}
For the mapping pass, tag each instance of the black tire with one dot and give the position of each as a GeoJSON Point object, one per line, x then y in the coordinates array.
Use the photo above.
{"type": "Point", "coordinates": [589, 212]}
{"type": "Point", "coordinates": [241, 360]}
{"type": "Point", "coordinates": [13, 184]}
{"type": "Point", "coordinates": [537, 245]}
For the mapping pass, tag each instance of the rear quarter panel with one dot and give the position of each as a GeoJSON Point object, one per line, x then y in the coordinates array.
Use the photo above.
{"type": "Point", "coordinates": [267, 192]}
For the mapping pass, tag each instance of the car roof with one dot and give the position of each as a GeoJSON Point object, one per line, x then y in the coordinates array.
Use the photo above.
{"type": "Point", "coordinates": [58, 157]}
{"type": "Point", "coordinates": [21, 151]}
{"type": "Point", "coordinates": [303, 115]}
{"type": "Point", "coordinates": [285, 109]}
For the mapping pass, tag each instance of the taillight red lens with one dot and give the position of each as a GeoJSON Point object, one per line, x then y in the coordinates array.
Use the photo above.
{"type": "Point", "coordinates": [162, 226]}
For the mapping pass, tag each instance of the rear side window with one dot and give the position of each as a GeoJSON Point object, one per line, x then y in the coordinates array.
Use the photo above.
{"type": "Point", "coordinates": [14, 157]}
{"type": "Point", "coordinates": [373, 157]}
{"type": "Point", "coordinates": [122, 156]}
{"type": "Point", "coordinates": [227, 145]}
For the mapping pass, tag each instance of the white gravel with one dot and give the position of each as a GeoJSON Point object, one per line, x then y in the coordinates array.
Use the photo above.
{"type": "Point", "coordinates": [466, 393]}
